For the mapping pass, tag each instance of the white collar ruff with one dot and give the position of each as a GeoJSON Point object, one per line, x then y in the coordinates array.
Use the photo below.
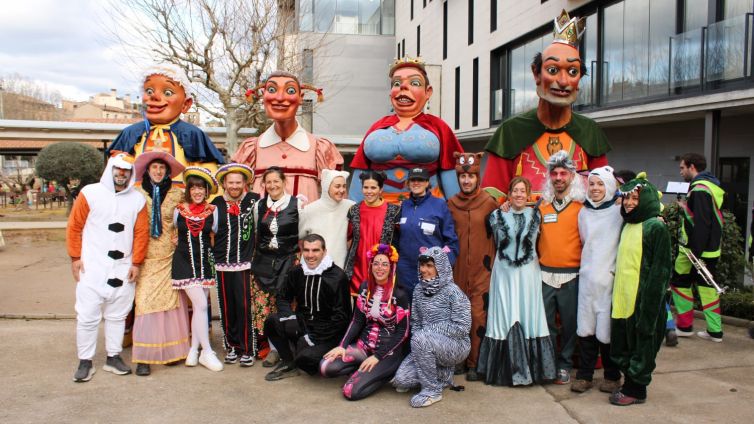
{"type": "Point", "coordinates": [299, 139]}
{"type": "Point", "coordinates": [322, 267]}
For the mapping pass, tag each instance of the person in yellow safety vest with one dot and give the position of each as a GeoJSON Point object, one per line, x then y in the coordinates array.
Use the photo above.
{"type": "Point", "coordinates": [701, 234]}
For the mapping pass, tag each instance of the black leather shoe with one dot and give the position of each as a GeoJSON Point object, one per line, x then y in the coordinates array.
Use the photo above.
{"type": "Point", "coordinates": [143, 370]}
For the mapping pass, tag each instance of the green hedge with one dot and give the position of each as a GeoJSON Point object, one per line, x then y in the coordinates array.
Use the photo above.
{"type": "Point", "coordinates": [739, 304]}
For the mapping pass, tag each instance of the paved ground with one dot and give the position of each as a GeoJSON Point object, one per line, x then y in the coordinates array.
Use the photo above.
{"type": "Point", "coordinates": [697, 382]}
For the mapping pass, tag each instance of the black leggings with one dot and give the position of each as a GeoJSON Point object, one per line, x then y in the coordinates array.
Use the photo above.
{"type": "Point", "coordinates": [361, 384]}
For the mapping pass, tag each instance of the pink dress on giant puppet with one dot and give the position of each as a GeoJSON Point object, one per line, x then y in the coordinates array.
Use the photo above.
{"type": "Point", "coordinates": [302, 156]}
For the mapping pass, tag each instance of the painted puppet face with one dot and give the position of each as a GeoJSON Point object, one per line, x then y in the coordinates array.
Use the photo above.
{"type": "Point", "coordinates": [468, 182]}
{"type": "Point", "coordinates": [597, 188]}
{"type": "Point", "coordinates": [282, 97]}
{"type": "Point", "coordinates": [157, 171]}
{"type": "Point", "coordinates": [371, 191]}
{"type": "Point", "coordinates": [380, 269]}
{"type": "Point", "coordinates": [164, 99]}
{"type": "Point", "coordinates": [274, 185]}
{"type": "Point", "coordinates": [558, 80]}
{"type": "Point", "coordinates": [518, 196]}
{"type": "Point", "coordinates": [337, 190]}
{"type": "Point", "coordinates": [234, 184]}
{"type": "Point", "coordinates": [427, 270]}
{"type": "Point", "coordinates": [631, 201]}
{"type": "Point", "coordinates": [409, 92]}
{"type": "Point", "coordinates": [198, 193]}
{"type": "Point", "coordinates": [313, 253]}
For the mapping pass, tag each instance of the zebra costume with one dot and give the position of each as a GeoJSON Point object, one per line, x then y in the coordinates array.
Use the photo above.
{"type": "Point", "coordinates": [440, 325]}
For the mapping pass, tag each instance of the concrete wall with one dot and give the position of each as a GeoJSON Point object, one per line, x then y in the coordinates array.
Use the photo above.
{"type": "Point", "coordinates": [352, 70]}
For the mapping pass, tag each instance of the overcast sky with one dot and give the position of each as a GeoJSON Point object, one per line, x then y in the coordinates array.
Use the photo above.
{"type": "Point", "coordinates": [62, 44]}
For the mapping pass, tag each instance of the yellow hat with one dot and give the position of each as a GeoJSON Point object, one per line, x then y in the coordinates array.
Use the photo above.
{"type": "Point", "coordinates": [203, 173]}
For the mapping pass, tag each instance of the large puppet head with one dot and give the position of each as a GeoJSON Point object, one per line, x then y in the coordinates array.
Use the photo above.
{"type": "Point", "coordinates": [558, 69]}
{"type": "Point", "coordinates": [167, 93]}
{"type": "Point", "coordinates": [409, 87]}
{"type": "Point", "coordinates": [282, 94]}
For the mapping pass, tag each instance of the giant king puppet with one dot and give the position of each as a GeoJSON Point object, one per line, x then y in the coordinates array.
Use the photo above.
{"type": "Point", "coordinates": [523, 144]}
{"type": "Point", "coordinates": [408, 139]}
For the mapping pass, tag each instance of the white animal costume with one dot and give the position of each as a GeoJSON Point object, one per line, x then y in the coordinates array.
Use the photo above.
{"type": "Point", "coordinates": [600, 225]}
{"type": "Point", "coordinates": [108, 231]}
{"type": "Point", "coordinates": [327, 218]}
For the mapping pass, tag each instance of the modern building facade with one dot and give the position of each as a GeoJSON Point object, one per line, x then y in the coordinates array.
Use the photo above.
{"type": "Point", "coordinates": [346, 48]}
{"type": "Point", "coordinates": [664, 77]}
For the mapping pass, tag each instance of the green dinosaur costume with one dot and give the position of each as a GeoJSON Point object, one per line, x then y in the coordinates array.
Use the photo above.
{"type": "Point", "coordinates": [643, 271]}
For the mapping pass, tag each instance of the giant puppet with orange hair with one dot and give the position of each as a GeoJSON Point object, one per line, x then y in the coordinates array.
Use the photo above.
{"type": "Point", "coordinates": [523, 144]}
{"type": "Point", "coordinates": [286, 144]}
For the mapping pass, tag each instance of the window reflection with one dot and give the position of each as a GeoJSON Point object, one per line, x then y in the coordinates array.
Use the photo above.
{"type": "Point", "coordinates": [368, 17]}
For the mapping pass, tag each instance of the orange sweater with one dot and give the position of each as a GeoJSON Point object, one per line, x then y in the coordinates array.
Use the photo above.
{"type": "Point", "coordinates": [559, 243]}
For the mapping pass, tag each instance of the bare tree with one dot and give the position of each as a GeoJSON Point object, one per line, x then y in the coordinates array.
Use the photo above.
{"type": "Point", "coordinates": [225, 45]}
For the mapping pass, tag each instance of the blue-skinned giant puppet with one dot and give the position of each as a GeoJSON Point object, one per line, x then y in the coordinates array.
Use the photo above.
{"type": "Point", "coordinates": [408, 139]}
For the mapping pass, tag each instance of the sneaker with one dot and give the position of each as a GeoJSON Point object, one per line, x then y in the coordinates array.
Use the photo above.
{"type": "Point", "coordinates": [610, 386]}
{"type": "Point", "coordinates": [115, 365]}
{"type": "Point", "coordinates": [671, 338]}
{"type": "Point", "coordinates": [192, 359]}
{"type": "Point", "coordinates": [84, 372]}
{"type": "Point", "coordinates": [282, 371]}
{"type": "Point", "coordinates": [618, 398]}
{"type": "Point", "coordinates": [247, 361]}
{"type": "Point", "coordinates": [231, 357]}
{"type": "Point", "coordinates": [684, 333]}
{"type": "Point", "coordinates": [271, 360]}
{"type": "Point", "coordinates": [421, 400]}
{"type": "Point", "coordinates": [564, 377]}
{"type": "Point", "coordinates": [143, 370]}
{"type": "Point", "coordinates": [581, 386]}
{"type": "Point", "coordinates": [472, 375]}
{"type": "Point", "coordinates": [706, 336]}
{"type": "Point", "coordinates": [209, 360]}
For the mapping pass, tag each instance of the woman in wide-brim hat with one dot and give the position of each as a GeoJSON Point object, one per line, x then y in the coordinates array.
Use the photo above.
{"type": "Point", "coordinates": [161, 328]}
{"type": "Point", "coordinates": [193, 266]}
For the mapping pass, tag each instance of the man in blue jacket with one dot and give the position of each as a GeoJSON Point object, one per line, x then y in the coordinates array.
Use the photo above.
{"type": "Point", "coordinates": [425, 222]}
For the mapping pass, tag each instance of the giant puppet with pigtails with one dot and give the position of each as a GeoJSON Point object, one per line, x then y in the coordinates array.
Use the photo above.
{"type": "Point", "coordinates": [167, 94]}
{"type": "Point", "coordinates": [523, 144]}
{"type": "Point", "coordinates": [286, 144]}
{"type": "Point", "coordinates": [408, 139]}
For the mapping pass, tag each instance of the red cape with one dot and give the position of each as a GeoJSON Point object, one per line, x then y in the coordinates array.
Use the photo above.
{"type": "Point", "coordinates": [448, 141]}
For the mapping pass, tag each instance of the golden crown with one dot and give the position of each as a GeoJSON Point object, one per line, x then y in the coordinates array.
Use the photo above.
{"type": "Point", "coordinates": [568, 30]}
{"type": "Point", "coordinates": [407, 62]}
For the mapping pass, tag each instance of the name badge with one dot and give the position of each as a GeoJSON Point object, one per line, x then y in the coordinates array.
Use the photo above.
{"type": "Point", "coordinates": [428, 228]}
{"type": "Point", "coordinates": [550, 218]}
{"type": "Point", "coordinates": [403, 220]}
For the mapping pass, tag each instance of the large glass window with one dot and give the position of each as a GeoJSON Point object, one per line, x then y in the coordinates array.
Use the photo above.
{"type": "Point", "coordinates": [587, 90]}
{"type": "Point", "coordinates": [636, 49]}
{"type": "Point", "coordinates": [369, 17]}
{"type": "Point", "coordinates": [733, 8]}
{"type": "Point", "coordinates": [523, 94]}
{"type": "Point", "coordinates": [695, 14]}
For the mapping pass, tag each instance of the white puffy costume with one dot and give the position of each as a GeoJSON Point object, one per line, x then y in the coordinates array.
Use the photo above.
{"type": "Point", "coordinates": [600, 225]}
{"type": "Point", "coordinates": [327, 218]}
{"type": "Point", "coordinates": [108, 231]}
